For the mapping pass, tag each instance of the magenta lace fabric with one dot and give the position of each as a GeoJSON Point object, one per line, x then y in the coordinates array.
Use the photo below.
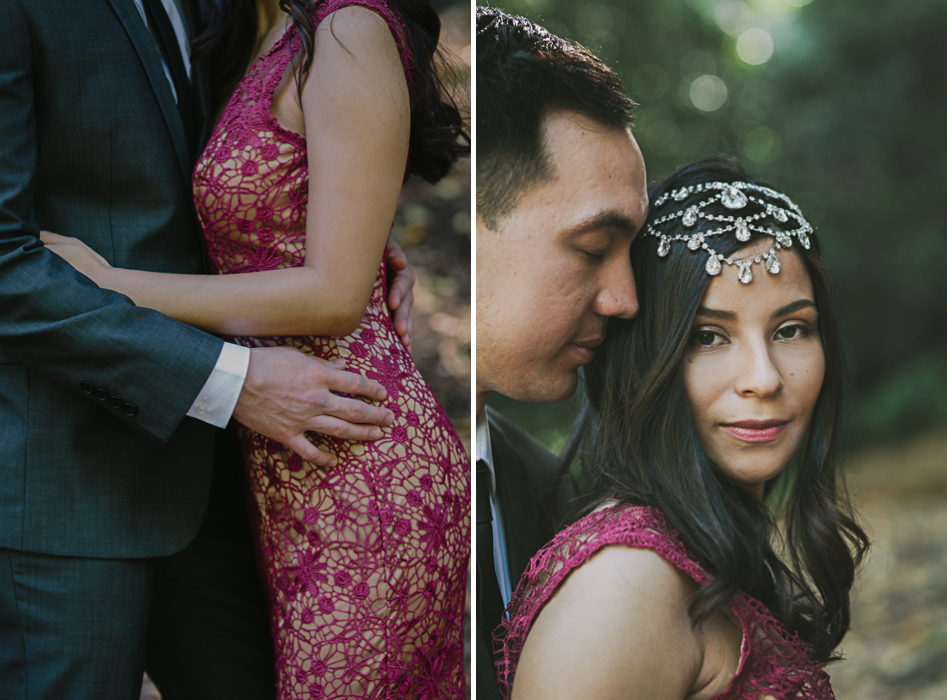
{"type": "Point", "coordinates": [365, 564]}
{"type": "Point", "coordinates": [773, 664]}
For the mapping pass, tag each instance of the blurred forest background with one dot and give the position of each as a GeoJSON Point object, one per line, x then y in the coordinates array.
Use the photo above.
{"type": "Point", "coordinates": [843, 105]}
{"type": "Point", "coordinates": [432, 224]}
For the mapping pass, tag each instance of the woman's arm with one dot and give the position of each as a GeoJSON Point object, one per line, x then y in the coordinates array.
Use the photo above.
{"type": "Point", "coordinates": [617, 627]}
{"type": "Point", "coordinates": [356, 113]}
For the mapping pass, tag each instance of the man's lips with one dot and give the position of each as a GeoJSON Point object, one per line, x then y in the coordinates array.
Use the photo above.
{"type": "Point", "coordinates": [755, 430]}
{"type": "Point", "coordinates": [585, 348]}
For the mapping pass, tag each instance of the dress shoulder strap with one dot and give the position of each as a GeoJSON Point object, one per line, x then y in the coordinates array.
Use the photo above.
{"type": "Point", "coordinates": [641, 527]}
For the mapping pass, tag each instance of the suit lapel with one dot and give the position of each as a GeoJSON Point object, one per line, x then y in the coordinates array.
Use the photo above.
{"type": "Point", "coordinates": [524, 536]}
{"type": "Point", "coordinates": [200, 77]}
{"type": "Point", "coordinates": [128, 15]}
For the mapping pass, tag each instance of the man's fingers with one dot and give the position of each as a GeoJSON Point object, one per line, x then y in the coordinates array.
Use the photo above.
{"type": "Point", "coordinates": [330, 425]}
{"type": "Point", "coordinates": [310, 453]}
{"type": "Point", "coordinates": [355, 384]}
{"type": "Point", "coordinates": [396, 259]}
{"type": "Point", "coordinates": [356, 411]}
{"type": "Point", "coordinates": [401, 286]}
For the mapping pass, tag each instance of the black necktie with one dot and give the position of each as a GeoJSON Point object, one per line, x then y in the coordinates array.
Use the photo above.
{"type": "Point", "coordinates": [168, 43]}
{"type": "Point", "coordinates": [489, 601]}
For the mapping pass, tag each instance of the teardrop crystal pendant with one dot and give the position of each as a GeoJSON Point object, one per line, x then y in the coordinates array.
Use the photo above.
{"type": "Point", "coordinates": [694, 242]}
{"type": "Point", "coordinates": [743, 231]}
{"type": "Point", "coordinates": [713, 265]}
{"type": "Point", "coordinates": [680, 195]}
{"type": "Point", "coordinates": [664, 247]}
{"type": "Point", "coordinates": [772, 263]}
{"type": "Point", "coordinates": [745, 274]}
{"type": "Point", "coordinates": [733, 198]}
{"type": "Point", "coordinates": [784, 239]}
{"type": "Point", "coordinates": [781, 215]}
{"type": "Point", "coordinates": [804, 239]}
{"type": "Point", "coordinates": [690, 216]}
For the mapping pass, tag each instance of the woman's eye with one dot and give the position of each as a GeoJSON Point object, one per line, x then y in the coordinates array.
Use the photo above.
{"type": "Point", "coordinates": [594, 255]}
{"type": "Point", "coordinates": [792, 332]}
{"type": "Point", "coordinates": [707, 339]}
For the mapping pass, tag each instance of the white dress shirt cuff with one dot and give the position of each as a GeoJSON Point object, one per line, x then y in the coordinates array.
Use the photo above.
{"type": "Point", "coordinates": [218, 397]}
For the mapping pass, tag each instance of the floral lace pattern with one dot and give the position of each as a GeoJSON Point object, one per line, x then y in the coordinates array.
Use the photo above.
{"type": "Point", "coordinates": [365, 564]}
{"type": "Point", "coordinates": [773, 664]}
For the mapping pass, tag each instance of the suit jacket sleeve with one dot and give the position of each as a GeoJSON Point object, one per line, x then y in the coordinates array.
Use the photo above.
{"type": "Point", "coordinates": [148, 367]}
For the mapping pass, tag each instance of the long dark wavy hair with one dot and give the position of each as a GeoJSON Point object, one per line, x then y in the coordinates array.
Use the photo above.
{"type": "Point", "coordinates": [438, 133]}
{"type": "Point", "coordinates": [641, 445]}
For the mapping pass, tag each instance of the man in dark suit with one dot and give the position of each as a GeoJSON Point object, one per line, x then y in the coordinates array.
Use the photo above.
{"type": "Point", "coordinates": [560, 197]}
{"type": "Point", "coordinates": [107, 410]}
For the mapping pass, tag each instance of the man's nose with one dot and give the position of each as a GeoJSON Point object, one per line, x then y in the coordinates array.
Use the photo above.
{"type": "Point", "coordinates": [618, 296]}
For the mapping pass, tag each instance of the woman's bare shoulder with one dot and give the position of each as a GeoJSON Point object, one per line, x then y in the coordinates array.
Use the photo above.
{"type": "Point", "coordinates": [355, 21]}
{"type": "Point", "coordinates": [617, 627]}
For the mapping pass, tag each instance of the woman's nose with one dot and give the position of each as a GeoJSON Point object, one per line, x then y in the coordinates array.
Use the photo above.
{"type": "Point", "coordinates": [758, 375]}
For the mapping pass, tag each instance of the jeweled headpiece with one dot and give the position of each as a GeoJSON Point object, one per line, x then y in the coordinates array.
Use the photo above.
{"type": "Point", "coordinates": [738, 197]}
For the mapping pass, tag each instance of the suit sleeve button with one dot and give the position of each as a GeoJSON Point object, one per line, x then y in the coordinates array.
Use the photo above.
{"type": "Point", "coordinates": [87, 387]}
{"type": "Point", "coordinates": [115, 402]}
{"type": "Point", "coordinates": [130, 409]}
{"type": "Point", "coordinates": [101, 394]}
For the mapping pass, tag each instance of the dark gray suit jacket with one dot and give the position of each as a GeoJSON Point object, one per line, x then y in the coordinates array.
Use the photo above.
{"type": "Point", "coordinates": [97, 457]}
{"type": "Point", "coordinates": [533, 499]}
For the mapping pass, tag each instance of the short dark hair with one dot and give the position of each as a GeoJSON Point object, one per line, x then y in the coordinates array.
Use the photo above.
{"type": "Point", "coordinates": [523, 74]}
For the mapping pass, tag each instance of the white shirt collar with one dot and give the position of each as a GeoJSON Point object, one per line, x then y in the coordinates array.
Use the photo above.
{"type": "Point", "coordinates": [485, 450]}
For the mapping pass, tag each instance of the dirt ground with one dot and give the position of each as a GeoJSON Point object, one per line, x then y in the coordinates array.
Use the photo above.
{"type": "Point", "coordinates": [897, 646]}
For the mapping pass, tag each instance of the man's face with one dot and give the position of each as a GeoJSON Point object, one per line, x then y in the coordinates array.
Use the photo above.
{"type": "Point", "coordinates": [558, 267]}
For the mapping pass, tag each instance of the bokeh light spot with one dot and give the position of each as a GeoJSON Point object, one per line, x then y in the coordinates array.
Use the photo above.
{"type": "Point", "coordinates": [755, 46]}
{"type": "Point", "coordinates": [708, 93]}
{"type": "Point", "coordinates": [732, 16]}
{"type": "Point", "coordinates": [594, 21]}
{"type": "Point", "coordinates": [762, 145]}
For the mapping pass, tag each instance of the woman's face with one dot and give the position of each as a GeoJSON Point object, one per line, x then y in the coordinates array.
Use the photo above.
{"type": "Point", "coordinates": [754, 368]}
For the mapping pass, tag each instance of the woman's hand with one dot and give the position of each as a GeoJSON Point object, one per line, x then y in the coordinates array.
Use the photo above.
{"type": "Point", "coordinates": [77, 254]}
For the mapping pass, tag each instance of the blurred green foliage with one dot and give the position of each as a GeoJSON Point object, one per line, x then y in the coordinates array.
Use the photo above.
{"type": "Point", "coordinates": [839, 103]}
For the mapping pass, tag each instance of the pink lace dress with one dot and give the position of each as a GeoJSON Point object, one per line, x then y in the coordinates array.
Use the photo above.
{"type": "Point", "coordinates": [773, 665]}
{"type": "Point", "coordinates": [365, 564]}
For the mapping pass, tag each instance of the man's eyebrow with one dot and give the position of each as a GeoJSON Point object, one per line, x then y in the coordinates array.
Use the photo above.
{"type": "Point", "coordinates": [606, 219]}
{"type": "Point", "coordinates": [794, 306]}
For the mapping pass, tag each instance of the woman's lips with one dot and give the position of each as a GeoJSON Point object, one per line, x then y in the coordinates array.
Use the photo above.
{"type": "Point", "coordinates": [755, 430]}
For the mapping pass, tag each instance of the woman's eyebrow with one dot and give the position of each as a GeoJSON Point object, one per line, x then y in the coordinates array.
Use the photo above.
{"type": "Point", "coordinates": [716, 313]}
{"type": "Point", "coordinates": [732, 316]}
{"type": "Point", "coordinates": [794, 306]}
